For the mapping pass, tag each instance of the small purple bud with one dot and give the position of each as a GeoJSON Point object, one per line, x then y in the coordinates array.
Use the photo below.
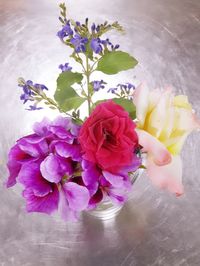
{"type": "Point", "coordinates": [93, 27]}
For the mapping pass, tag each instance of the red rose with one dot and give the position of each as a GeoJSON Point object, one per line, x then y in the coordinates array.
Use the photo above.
{"type": "Point", "coordinates": [108, 137]}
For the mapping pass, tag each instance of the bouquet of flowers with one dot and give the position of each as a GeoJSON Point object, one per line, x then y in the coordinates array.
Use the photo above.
{"type": "Point", "coordinates": [72, 163]}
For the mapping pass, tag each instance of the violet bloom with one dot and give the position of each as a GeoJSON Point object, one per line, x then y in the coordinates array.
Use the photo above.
{"type": "Point", "coordinates": [79, 43]}
{"type": "Point", "coordinates": [45, 163]}
{"type": "Point", "coordinates": [96, 45]}
{"type": "Point", "coordinates": [98, 84]}
{"type": "Point", "coordinates": [65, 67]}
{"type": "Point", "coordinates": [66, 31]}
{"type": "Point", "coordinates": [108, 44]}
{"type": "Point", "coordinates": [29, 95]}
{"type": "Point", "coordinates": [104, 184]}
{"type": "Point", "coordinates": [93, 27]}
{"type": "Point", "coordinates": [112, 90]}
{"type": "Point", "coordinates": [127, 87]}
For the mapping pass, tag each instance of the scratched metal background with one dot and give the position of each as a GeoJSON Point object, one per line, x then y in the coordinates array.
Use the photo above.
{"type": "Point", "coordinates": [154, 228]}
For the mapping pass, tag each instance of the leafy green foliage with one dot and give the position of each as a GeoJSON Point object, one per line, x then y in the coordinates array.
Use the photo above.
{"type": "Point", "coordinates": [65, 95]}
{"type": "Point", "coordinates": [128, 105]}
{"type": "Point", "coordinates": [116, 61]}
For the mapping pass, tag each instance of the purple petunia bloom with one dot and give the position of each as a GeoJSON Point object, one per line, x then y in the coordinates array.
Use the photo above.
{"type": "Point", "coordinates": [79, 43]}
{"type": "Point", "coordinates": [46, 163]}
{"type": "Point", "coordinates": [65, 67]}
{"type": "Point", "coordinates": [96, 45]}
{"type": "Point", "coordinates": [98, 84]}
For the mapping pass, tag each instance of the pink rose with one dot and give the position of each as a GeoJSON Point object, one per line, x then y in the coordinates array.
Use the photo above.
{"type": "Point", "coordinates": [108, 137]}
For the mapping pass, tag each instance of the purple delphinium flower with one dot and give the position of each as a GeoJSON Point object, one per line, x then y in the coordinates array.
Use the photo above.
{"type": "Point", "coordinates": [66, 31]}
{"type": "Point", "coordinates": [104, 184]}
{"type": "Point", "coordinates": [45, 163]}
{"type": "Point", "coordinates": [79, 43]}
{"type": "Point", "coordinates": [65, 67]}
{"type": "Point", "coordinates": [28, 94]}
{"type": "Point", "coordinates": [96, 45]}
{"type": "Point", "coordinates": [93, 27]}
{"type": "Point", "coordinates": [127, 87]}
{"type": "Point", "coordinates": [112, 90]}
{"type": "Point", "coordinates": [33, 108]}
{"type": "Point", "coordinates": [98, 84]}
{"type": "Point", "coordinates": [107, 44]}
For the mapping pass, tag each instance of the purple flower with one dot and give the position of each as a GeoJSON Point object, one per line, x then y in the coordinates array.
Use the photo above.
{"type": "Point", "coordinates": [98, 84]}
{"type": "Point", "coordinates": [112, 90]}
{"type": "Point", "coordinates": [79, 43]}
{"type": "Point", "coordinates": [66, 31]}
{"type": "Point", "coordinates": [107, 44]}
{"type": "Point", "coordinates": [126, 86]}
{"type": "Point", "coordinates": [78, 23]}
{"type": "Point", "coordinates": [104, 184]}
{"type": "Point", "coordinates": [28, 94]}
{"type": "Point", "coordinates": [46, 164]}
{"type": "Point", "coordinates": [96, 45]}
{"type": "Point", "coordinates": [34, 108]}
{"type": "Point", "coordinates": [65, 67]}
{"type": "Point", "coordinates": [40, 87]}
{"type": "Point", "coordinates": [93, 27]}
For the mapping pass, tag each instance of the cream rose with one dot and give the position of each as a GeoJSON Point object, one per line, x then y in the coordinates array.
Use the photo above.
{"type": "Point", "coordinates": [163, 123]}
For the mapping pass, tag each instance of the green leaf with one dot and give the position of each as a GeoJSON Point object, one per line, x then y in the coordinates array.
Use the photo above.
{"type": "Point", "coordinates": [68, 78]}
{"type": "Point", "coordinates": [116, 61]}
{"type": "Point", "coordinates": [65, 95]}
{"type": "Point", "coordinates": [128, 105]}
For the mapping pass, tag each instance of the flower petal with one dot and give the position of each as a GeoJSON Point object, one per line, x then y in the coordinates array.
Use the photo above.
{"type": "Point", "coordinates": [67, 150]}
{"type": "Point", "coordinates": [140, 99]}
{"type": "Point", "coordinates": [77, 196]}
{"type": "Point", "coordinates": [65, 212]}
{"type": "Point", "coordinates": [150, 144]}
{"type": "Point", "coordinates": [157, 119]}
{"type": "Point", "coordinates": [47, 204]}
{"type": "Point", "coordinates": [50, 169]}
{"type": "Point", "coordinates": [167, 176]}
{"type": "Point", "coordinates": [42, 128]}
{"type": "Point", "coordinates": [30, 177]}
{"type": "Point", "coordinates": [13, 164]}
{"type": "Point", "coordinates": [114, 179]}
{"type": "Point", "coordinates": [90, 174]}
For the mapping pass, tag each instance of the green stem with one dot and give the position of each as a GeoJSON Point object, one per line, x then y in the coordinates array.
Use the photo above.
{"type": "Point", "coordinates": [87, 73]}
{"type": "Point", "coordinates": [49, 100]}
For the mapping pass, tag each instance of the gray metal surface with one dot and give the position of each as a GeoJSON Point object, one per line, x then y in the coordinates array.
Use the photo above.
{"type": "Point", "coordinates": [154, 228]}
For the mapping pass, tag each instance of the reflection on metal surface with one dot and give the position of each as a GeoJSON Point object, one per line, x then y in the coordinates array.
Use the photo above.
{"type": "Point", "coordinates": [154, 228]}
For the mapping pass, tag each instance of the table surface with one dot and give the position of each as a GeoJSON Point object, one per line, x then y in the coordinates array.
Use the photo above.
{"type": "Point", "coordinates": [154, 227]}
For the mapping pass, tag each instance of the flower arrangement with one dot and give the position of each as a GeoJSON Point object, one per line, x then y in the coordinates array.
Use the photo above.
{"type": "Point", "coordinates": [74, 163]}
